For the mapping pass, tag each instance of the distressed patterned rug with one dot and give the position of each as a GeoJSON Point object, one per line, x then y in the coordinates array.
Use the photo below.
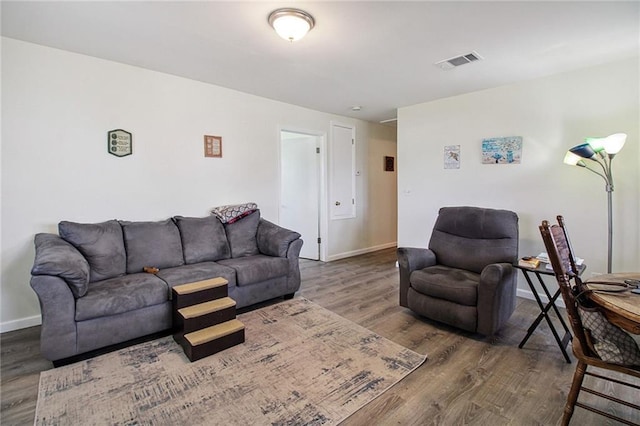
{"type": "Point", "coordinates": [300, 364]}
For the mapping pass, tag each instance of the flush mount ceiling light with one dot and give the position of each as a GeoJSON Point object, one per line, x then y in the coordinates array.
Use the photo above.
{"type": "Point", "coordinates": [291, 24]}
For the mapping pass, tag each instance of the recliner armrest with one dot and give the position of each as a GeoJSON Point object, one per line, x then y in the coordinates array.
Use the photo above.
{"type": "Point", "coordinates": [496, 296]}
{"type": "Point", "coordinates": [411, 259]}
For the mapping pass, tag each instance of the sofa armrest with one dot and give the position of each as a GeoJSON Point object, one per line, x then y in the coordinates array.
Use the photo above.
{"type": "Point", "coordinates": [274, 240]}
{"type": "Point", "coordinates": [411, 259]}
{"type": "Point", "coordinates": [56, 257]}
{"type": "Point", "coordinates": [496, 296]}
{"type": "Point", "coordinates": [58, 307]}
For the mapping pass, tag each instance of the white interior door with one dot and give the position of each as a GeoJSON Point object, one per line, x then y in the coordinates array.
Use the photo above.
{"type": "Point", "coordinates": [342, 172]}
{"type": "Point", "coordinates": [300, 189]}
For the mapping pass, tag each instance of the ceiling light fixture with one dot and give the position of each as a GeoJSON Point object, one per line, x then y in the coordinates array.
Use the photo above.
{"type": "Point", "coordinates": [291, 24]}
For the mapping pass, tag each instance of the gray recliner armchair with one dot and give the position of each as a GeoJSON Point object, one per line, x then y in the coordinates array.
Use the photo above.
{"type": "Point", "coordinates": [466, 277]}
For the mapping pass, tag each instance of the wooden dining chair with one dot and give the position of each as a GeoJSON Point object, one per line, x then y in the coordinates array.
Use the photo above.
{"type": "Point", "coordinates": [572, 289]}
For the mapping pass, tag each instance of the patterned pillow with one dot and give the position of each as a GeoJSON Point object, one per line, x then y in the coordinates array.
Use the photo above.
{"type": "Point", "coordinates": [234, 212]}
{"type": "Point", "coordinates": [611, 343]}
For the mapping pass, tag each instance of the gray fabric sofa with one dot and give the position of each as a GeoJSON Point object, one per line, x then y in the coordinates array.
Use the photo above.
{"type": "Point", "coordinates": [93, 292]}
{"type": "Point", "coordinates": [465, 278]}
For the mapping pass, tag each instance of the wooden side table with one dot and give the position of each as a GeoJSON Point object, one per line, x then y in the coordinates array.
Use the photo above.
{"type": "Point", "coordinates": [544, 309]}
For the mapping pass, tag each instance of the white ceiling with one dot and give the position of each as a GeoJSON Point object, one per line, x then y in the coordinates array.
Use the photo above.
{"type": "Point", "coordinates": [379, 55]}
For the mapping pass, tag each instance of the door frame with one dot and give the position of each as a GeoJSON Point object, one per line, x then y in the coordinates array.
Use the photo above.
{"type": "Point", "coordinates": [323, 214]}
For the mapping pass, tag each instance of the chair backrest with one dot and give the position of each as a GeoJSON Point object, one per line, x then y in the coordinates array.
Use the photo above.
{"type": "Point", "coordinates": [571, 256]}
{"type": "Point", "coordinates": [471, 238]}
{"type": "Point", "coordinates": [562, 260]}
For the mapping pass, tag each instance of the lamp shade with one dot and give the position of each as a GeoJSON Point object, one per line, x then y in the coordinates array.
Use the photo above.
{"type": "Point", "coordinates": [614, 143]}
{"type": "Point", "coordinates": [596, 143]}
{"type": "Point", "coordinates": [291, 24]}
{"type": "Point", "coordinates": [572, 159]}
{"type": "Point", "coordinates": [584, 150]}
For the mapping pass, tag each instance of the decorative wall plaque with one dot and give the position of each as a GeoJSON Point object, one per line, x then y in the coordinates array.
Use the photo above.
{"type": "Point", "coordinates": [212, 146]}
{"type": "Point", "coordinates": [120, 143]}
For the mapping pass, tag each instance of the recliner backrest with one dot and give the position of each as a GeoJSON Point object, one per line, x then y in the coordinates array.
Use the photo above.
{"type": "Point", "coordinates": [471, 238]}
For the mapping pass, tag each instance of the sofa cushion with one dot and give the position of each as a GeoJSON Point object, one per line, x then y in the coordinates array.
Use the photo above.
{"type": "Point", "coordinates": [242, 235]}
{"type": "Point", "coordinates": [154, 244]}
{"type": "Point", "coordinates": [122, 294]}
{"type": "Point", "coordinates": [203, 239]}
{"type": "Point", "coordinates": [455, 285]}
{"type": "Point", "coordinates": [253, 269]}
{"type": "Point", "coordinates": [55, 256]}
{"type": "Point", "coordinates": [197, 272]}
{"type": "Point", "coordinates": [101, 244]}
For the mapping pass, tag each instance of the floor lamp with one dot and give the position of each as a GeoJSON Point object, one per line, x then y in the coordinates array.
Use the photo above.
{"type": "Point", "coordinates": [600, 151]}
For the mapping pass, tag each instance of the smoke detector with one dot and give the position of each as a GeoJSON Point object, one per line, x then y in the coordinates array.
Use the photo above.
{"type": "Point", "coordinates": [456, 61]}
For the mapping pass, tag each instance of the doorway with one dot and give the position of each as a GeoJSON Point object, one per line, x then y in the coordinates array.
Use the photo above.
{"type": "Point", "coordinates": [300, 188]}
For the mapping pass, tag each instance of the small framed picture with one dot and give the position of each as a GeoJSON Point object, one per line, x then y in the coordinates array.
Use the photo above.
{"type": "Point", "coordinates": [452, 157]}
{"type": "Point", "coordinates": [389, 164]}
{"type": "Point", "coordinates": [213, 146]}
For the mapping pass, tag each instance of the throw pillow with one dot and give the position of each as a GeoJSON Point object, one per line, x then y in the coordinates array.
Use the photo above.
{"type": "Point", "coordinates": [234, 212]}
{"type": "Point", "coordinates": [242, 235]}
{"type": "Point", "coordinates": [55, 256]}
{"type": "Point", "coordinates": [101, 244]}
{"type": "Point", "coordinates": [203, 239]}
{"type": "Point", "coordinates": [154, 244]}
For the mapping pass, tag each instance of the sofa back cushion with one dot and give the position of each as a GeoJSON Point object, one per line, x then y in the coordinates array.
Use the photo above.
{"type": "Point", "coordinates": [101, 244]}
{"type": "Point", "coordinates": [155, 244]}
{"type": "Point", "coordinates": [242, 235]}
{"type": "Point", "coordinates": [203, 239]}
{"type": "Point", "coordinates": [472, 237]}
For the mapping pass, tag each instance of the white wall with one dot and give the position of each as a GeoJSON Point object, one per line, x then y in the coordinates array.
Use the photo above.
{"type": "Point", "coordinates": [56, 110]}
{"type": "Point", "coordinates": [552, 115]}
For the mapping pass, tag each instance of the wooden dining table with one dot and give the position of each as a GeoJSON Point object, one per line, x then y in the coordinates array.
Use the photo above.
{"type": "Point", "coordinates": [621, 308]}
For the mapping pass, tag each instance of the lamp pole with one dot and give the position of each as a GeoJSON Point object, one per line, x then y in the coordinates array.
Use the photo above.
{"type": "Point", "coordinates": [605, 162]}
{"type": "Point", "coordinates": [609, 189]}
{"type": "Point", "coordinates": [601, 151]}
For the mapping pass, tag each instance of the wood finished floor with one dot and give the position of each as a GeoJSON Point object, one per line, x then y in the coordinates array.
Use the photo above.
{"type": "Point", "coordinates": [467, 379]}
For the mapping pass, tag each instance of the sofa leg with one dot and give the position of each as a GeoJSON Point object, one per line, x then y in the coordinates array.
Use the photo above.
{"type": "Point", "coordinates": [289, 296]}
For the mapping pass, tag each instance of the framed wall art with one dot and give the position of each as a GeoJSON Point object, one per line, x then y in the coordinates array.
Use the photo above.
{"type": "Point", "coordinates": [389, 164]}
{"type": "Point", "coordinates": [213, 146]}
{"type": "Point", "coordinates": [502, 150]}
{"type": "Point", "coordinates": [452, 157]}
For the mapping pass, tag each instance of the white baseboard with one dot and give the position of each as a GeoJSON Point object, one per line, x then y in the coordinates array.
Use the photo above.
{"type": "Point", "coordinates": [361, 251]}
{"type": "Point", "coordinates": [20, 323]}
{"type": "Point", "coordinates": [527, 294]}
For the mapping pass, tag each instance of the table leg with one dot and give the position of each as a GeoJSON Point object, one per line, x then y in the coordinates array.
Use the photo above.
{"type": "Point", "coordinates": [544, 313]}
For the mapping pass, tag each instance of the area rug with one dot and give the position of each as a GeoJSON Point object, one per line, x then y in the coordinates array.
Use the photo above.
{"type": "Point", "coordinates": [300, 365]}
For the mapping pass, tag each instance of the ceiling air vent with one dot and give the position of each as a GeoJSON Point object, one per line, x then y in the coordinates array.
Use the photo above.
{"type": "Point", "coordinates": [450, 63]}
